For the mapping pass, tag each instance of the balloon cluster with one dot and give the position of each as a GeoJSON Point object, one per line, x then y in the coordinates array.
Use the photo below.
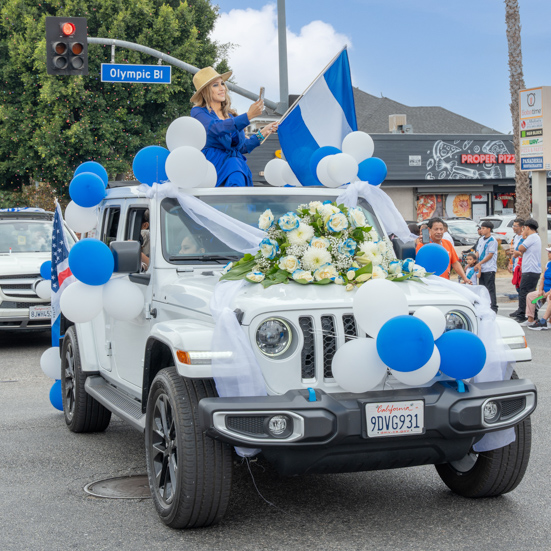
{"type": "Point", "coordinates": [183, 163]}
{"type": "Point", "coordinates": [87, 190]}
{"type": "Point", "coordinates": [415, 348]}
{"type": "Point", "coordinates": [333, 167]}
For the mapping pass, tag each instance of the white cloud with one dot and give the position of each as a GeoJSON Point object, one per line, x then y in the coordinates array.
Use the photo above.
{"type": "Point", "coordinates": [254, 59]}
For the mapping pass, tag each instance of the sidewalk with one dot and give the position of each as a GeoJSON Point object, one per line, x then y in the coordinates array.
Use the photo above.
{"type": "Point", "coordinates": [505, 290]}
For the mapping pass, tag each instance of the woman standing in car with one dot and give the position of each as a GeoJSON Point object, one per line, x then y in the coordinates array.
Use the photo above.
{"type": "Point", "coordinates": [226, 141]}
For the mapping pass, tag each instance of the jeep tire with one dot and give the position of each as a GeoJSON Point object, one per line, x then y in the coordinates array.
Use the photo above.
{"type": "Point", "coordinates": [82, 412]}
{"type": "Point", "coordinates": [189, 473]}
{"type": "Point", "coordinates": [492, 473]}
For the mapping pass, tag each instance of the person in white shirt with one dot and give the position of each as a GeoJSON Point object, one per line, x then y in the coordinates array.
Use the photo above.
{"type": "Point", "coordinates": [530, 251]}
{"type": "Point", "coordinates": [514, 262]}
{"type": "Point", "coordinates": [486, 267]}
{"type": "Point", "coordinates": [447, 235]}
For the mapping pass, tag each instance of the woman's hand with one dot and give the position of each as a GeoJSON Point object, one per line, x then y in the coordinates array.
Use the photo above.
{"type": "Point", "coordinates": [255, 109]}
{"type": "Point", "coordinates": [269, 129]}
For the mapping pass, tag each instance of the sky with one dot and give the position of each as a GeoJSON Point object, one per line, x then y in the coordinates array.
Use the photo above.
{"type": "Point", "coordinates": [452, 54]}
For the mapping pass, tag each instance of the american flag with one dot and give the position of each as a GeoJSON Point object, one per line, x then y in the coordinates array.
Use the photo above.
{"type": "Point", "coordinates": [61, 273]}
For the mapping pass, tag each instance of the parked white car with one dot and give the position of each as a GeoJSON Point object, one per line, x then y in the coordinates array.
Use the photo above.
{"type": "Point", "coordinates": [25, 244]}
{"type": "Point", "coordinates": [155, 370]}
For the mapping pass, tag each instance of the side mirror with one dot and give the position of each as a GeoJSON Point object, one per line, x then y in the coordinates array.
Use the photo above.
{"type": "Point", "coordinates": [127, 255]}
{"type": "Point", "coordinates": [404, 250]}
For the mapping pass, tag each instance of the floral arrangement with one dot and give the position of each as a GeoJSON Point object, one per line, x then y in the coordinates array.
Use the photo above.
{"type": "Point", "coordinates": [321, 243]}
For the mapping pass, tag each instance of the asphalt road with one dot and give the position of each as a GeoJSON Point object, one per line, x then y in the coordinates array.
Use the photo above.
{"type": "Point", "coordinates": [44, 467]}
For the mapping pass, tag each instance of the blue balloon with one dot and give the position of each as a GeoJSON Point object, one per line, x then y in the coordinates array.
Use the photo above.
{"type": "Point", "coordinates": [149, 164]}
{"type": "Point", "coordinates": [87, 190]}
{"type": "Point", "coordinates": [56, 397]}
{"type": "Point", "coordinates": [405, 343]}
{"type": "Point", "coordinates": [91, 261]}
{"type": "Point", "coordinates": [94, 168]}
{"type": "Point", "coordinates": [434, 258]}
{"type": "Point", "coordinates": [319, 154]}
{"type": "Point", "coordinates": [372, 170]}
{"type": "Point", "coordinates": [462, 354]}
{"type": "Point", "coordinates": [46, 270]}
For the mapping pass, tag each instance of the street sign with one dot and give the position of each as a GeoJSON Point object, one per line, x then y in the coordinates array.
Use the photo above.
{"type": "Point", "coordinates": [146, 74]}
{"type": "Point", "coordinates": [535, 129]}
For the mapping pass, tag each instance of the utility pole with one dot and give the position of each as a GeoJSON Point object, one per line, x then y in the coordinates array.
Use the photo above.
{"type": "Point", "coordinates": [283, 104]}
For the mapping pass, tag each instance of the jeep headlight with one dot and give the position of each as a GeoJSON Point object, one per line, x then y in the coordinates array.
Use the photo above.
{"type": "Point", "coordinates": [457, 320]}
{"type": "Point", "coordinates": [273, 337]}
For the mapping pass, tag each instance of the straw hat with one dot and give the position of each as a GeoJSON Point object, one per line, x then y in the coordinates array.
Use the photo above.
{"type": "Point", "coordinates": [204, 77]}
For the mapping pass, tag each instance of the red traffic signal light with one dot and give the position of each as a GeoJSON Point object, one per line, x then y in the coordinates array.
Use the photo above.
{"type": "Point", "coordinates": [66, 46]}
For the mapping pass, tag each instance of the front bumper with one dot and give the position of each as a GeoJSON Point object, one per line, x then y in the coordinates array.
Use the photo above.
{"type": "Point", "coordinates": [330, 434]}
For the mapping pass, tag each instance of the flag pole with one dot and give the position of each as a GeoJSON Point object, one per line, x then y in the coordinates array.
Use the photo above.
{"type": "Point", "coordinates": [310, 86]}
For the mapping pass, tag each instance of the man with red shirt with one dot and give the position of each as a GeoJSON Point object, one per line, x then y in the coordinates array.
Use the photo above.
{"type": "Point", "coordinates": [436, 233]}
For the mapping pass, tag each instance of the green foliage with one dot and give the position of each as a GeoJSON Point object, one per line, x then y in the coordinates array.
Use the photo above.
{"type": "Point", "coordinates": [49, 125]}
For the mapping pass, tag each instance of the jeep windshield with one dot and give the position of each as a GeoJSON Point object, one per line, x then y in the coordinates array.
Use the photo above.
{"type": "Point", "coordinates": [185, 241]}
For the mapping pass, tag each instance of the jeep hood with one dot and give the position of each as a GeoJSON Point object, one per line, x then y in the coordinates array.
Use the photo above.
{"type": "Point", "coordinates": [196, 293]}
{"type": "Point", "coordinates": [22, 263]}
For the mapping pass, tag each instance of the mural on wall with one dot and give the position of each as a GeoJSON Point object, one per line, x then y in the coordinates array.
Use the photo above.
{"type": "Point", "coordinates": [445, 160]}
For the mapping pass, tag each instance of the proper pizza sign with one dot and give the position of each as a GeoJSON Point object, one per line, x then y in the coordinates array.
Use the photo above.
{"type": "Point", "coordinates": [535, 116]}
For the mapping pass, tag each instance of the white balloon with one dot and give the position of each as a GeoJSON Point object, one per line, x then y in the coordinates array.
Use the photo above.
{"type": "Point", "coordinates": [273, 172]}
{"type": "Point", "coordinates": [44, 289]}
{"type": "Point", "coordinates": [289, 176]}
{"type": "Point", "coordinates": [122, 299]}
{"type": "Point", "coordinates": [50, 362]}
{"type": "Point", "coordinates": [342, 168]}
{"type": "Point", "coordinates": [80, 219]}
{"type": "Point", "coordinates": [80, 302]}
{"type": "Point", "coordinates": [186, 131]}
{"type": "Point", "coordinates": [357, 367]}
{"type": "Point", "coordinates": [423, 374]}
{"type": "Point", "coordinates": [377, 301]}
{"type": "Point", "coordinates": [434, 318]}
{"type": "Point", "coordinates": [186, 167]}
{"type": "Point", "coordinates": [211, 178]}
{"type": "Point", "coordinates": [322, 172]}
{"type": "Point", "coordinates": [358, 144]}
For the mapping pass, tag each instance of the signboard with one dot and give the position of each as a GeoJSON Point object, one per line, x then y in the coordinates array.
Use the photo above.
{"type": "Point", "coordinates": [146, 74]}
{"type": "Point", "coordinates": [535, 116]}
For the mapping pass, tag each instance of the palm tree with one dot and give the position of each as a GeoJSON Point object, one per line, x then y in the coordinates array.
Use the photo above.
{"type": "Point", "coordinates": [516, 83]}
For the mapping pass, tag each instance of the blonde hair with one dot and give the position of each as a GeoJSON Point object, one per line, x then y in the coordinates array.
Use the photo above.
{"type": "Point", "coordinates": [205, 98]}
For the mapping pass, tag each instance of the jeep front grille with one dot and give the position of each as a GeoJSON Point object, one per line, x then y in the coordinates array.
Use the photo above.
{"type": "Point", "coordinates": [322, 336]}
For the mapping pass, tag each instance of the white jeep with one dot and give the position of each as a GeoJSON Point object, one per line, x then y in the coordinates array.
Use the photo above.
{"type": "Point", "coordinates": [155, 371]}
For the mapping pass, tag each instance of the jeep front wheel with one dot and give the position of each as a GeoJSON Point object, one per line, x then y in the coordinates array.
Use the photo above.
{"type": "Point", "coordinates": [491, 473]}
{"type": "Point", "coordinates": [189, 473]}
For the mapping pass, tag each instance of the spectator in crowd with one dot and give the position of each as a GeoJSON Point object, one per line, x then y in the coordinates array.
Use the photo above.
{"type": "Point", "coordinates": [414, 228]}
{"type": "Point", "coordinates": [144, 241]}
{"type": "Point", "coordinates": [470, 272]}
{"type": "Point", "coordinates": [544, 291]}
{"type": "Point", "coordinates": [530, 252]}
{"type": "Point", "coordinates": [447, 235]}
{"type": "Point", "coordinates": [436, 234]}
{"type": "Point", "coordinates": [486, 267]}
{"type": "Point", "coordinates": [515, 263]}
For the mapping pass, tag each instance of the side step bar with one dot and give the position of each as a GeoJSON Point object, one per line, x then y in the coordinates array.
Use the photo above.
{"type": "Point", "coordinates": [114, 400]}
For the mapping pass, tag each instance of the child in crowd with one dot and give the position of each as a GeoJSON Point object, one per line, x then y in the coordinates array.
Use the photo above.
{"type": "Point", "coordinates": [470, 261]}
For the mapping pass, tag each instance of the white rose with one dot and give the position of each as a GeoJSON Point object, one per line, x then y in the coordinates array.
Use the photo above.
{"type": "Point", "coordinates": [338, 280]}
{"type": "Point", "coordinates": [227, 268]}
{"type": "Point", "coordinates": [303, 275]}
{"type": "Point", "coordinates": [327, 271]}
{"type": "Point", "coordinates": [378, 273]}
{"type": "Point", "coordinates": [255, 277]}
{"type": "Point", "coordinates": [266, 220]}
{"type": "Point", "coordinates": [419, 271]}
{"type": "Point", "coordinates": [320, 243]}
{"type": "Point", "coordinates": [314, 258]}
{"type": "Point", "coordinates": [357, 217]}
{"type": "Point", "coordinates": [373, 235]}
{"type": "Point", "coordinates": [289, 263]}
{"type": "Point", "coordinates": [371, 253]}
{"type": "Point", "coordinates": [337, 222]}
{"type": "Point", "coordinates": [314, 206]}
{"type": "Point", "coordinates": [301, 235]}
{"type": "Point", "coordinates": [382, 246]}
{"type": "Point", "coordinates": [327, 211]}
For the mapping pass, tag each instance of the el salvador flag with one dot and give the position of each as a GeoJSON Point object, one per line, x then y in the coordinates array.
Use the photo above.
{"type": "Point", "coordinates": [322, 116]}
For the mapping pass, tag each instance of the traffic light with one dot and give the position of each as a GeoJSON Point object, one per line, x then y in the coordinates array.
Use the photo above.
{"type": "Point", "coordinates": [66, 46]}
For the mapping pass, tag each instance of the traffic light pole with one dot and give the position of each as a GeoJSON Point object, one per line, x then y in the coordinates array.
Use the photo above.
{"type": "Point", "coordinates": [177, 63]}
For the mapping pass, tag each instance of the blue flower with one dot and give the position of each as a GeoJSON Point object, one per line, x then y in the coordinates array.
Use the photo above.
{"type": "Point", "coordinates": [337, 222]}
{"type": "Point", "coordinates": [327, 202]}
{"type": "Point", "coordinates": [269, 248]}
{"type": "Point", "coordinates": [407, 265]}
{"type": "Point", "coordinates": [348, 247]}
{"type": "Point", "coordinates": [289, 221]}
{"type": "Point", "coordinates": [395, 267]}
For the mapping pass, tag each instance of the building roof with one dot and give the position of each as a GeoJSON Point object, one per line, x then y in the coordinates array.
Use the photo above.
{"type": "Point", "coordinates": [372, 115]}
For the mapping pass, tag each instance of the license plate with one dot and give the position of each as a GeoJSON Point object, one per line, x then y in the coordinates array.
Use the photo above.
{"type": "Point", "coordinates": [395, 418]}
{"type": "Point", "coordinates": [40, 312]}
